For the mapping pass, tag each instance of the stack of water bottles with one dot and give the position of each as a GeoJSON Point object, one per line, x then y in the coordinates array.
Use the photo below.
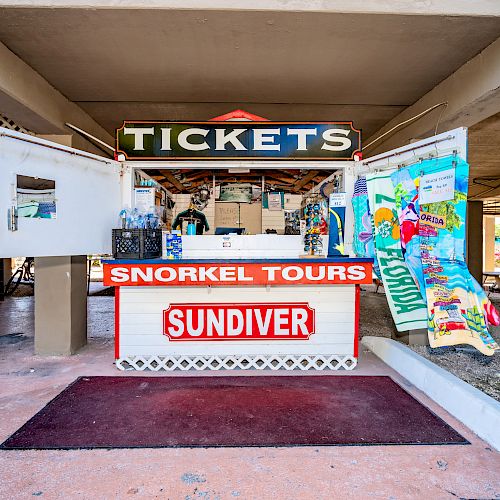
{"type": "Point", "coordinates": [139, 236]}
{"type": "Point", "coordinates": [136, 219]}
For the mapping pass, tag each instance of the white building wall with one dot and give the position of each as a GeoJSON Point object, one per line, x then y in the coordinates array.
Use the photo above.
{"type": "Point", "coordinates": [88, 198]}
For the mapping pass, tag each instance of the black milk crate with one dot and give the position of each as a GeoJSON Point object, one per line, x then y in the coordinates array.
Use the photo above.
{"type": "Point", "coordinates": [136, 243]}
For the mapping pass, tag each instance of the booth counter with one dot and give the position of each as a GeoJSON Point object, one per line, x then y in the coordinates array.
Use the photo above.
{"type": "Point", "coordinates": [272, 246]}
{"type": "Point", "coordinates": [216, 314]}
{"type": "Point", "coordinates": [242, 301]}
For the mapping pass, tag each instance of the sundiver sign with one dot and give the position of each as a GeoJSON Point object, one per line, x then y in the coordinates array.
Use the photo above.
{"type": "Point", "coordinates": [256, 321]}
{"type": "Point", "coordinates": [227, 140]}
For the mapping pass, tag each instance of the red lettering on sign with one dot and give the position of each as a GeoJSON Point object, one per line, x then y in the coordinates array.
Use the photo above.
{"type": "Point", "coordinates": [269, 321]}
{"type": "Point", "coordinates": [174, 274]}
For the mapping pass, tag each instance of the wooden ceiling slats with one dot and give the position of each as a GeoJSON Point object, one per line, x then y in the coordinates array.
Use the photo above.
{"type": "Point", "coordinates": [190, 180]}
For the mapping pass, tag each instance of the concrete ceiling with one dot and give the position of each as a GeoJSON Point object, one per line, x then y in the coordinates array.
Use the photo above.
{"type": "Point", "coordinates": [369, 118]}
{"type": "Point", "coordinates": [484, 158]}
{"type": "Point", "coordinates": [173, 64]}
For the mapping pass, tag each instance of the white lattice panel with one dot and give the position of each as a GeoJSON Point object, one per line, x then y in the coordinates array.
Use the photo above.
{"type": "Point", "coordinates": [12, 125]}
{"type": "Point", "coordinates": [186, 363]}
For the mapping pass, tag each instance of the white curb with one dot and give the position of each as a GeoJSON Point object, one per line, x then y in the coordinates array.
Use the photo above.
{"type": "Point", "coordinates": [476, 410]}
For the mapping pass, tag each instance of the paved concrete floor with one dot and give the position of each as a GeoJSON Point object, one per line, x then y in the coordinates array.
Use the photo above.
{"type": "Point", "coordinates": [28, 382]}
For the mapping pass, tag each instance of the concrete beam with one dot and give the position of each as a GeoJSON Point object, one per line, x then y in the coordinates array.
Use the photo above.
{"type": "Point", "coordinates": [472, 93]}
{"type": "Point", "coordinates": [419, 7]}
{"type": "Point", "coordinates": [28, 99]}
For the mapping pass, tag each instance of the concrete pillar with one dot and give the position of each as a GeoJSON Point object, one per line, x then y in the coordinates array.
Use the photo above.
{"type": "Point", "coordinates": [412, 337]}
{"type": "Point", "coordinates": [489, 242]}
{"type": "Point", "coordinates": [5, 274]}
{"type": "Point", "coordinates": [60, 304]}
{"type": "Point", "coordinates": [474, 248]}
{"type": "Point", "coordinates": [6, 270]}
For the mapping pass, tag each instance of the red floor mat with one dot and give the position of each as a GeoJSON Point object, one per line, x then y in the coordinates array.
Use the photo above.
{"type": "Point", "coordinates": [116, 412]}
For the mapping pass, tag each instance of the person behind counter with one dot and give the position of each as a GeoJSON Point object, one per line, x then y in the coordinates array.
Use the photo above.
{"type": "Point", "coordinates": [191, 216]}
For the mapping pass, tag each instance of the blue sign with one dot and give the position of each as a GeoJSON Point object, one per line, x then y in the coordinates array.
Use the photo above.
{"type": "Point", "coordinates": [244, 139]}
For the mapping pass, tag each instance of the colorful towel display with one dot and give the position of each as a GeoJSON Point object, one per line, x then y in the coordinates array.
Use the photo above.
{"type": "Point", "coordinates": [336, 226]}
{"type": "Point", "coordinates": [362, 223]}
{"type": "Point", "coordinates": [408, 308]}
{"type": "Point", "coordinates": [363, 242]}
{"type": "Point", "coordinates": [432, 239]}
{"type": "Point", "coordinates": [407, 206]}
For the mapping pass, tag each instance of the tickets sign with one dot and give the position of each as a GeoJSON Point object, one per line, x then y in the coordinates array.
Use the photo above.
{"type": "Point", "coordinates": [260, 321]}
{"type": "Point", "coordinates": [234, 274]}
{"type": "Point", "coordinates": [245, 139]}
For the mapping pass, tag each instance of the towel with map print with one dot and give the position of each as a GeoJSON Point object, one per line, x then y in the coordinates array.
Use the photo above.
{"type": "Point", "coordinates": [433, 241]}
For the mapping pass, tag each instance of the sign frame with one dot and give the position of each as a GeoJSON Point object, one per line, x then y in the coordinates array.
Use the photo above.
{"type": "Point", "coordinates": [171, 273]}
{"type": "Point", "coordinates": [348, 155]}
{"type": "Point", "coordinates": [257, 335]}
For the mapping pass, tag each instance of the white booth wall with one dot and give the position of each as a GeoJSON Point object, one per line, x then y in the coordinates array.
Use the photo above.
{"type": "Point", "coordinates": [88, 198]}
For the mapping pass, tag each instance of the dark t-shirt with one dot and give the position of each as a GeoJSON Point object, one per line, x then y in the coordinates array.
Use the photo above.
{"type": "Point", "coordinates": [195, 217]}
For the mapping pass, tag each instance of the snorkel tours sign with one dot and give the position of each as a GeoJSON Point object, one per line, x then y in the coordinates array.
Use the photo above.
{"type": "Point", "coordinates": [243, 139]}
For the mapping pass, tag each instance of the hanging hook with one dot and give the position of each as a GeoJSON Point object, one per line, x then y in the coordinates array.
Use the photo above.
{"type": "Point", "coordinates": [415, 158]}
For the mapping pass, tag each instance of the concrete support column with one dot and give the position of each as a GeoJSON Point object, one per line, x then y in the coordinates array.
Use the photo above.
{"type": "Point", "coordinates": [489, 242]}
{"type": "Point", "coordinates": [6, 270]}
{"type": "Point", "coordinates": [412, 337]}
{"type": "Point", "coordinates": [60, 304]}
{"type": "Point", "coordinates": [475, 239]}
{"type": "Point", "coordinates": [5, 274]}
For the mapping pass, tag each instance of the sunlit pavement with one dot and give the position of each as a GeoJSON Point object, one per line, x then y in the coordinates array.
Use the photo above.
{"type": "Point", "coordinates": [28, 382]}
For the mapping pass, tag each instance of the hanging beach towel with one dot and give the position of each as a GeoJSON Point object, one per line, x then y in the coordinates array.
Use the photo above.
{"type": "Point", "coordinates": [363, 241]}
{"type": "Point", "coordinates": [458, 309]}
{"type": "Point", "coordinates": [408, 210]}
{"type": "Point", "coordinates": [407, 306]}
